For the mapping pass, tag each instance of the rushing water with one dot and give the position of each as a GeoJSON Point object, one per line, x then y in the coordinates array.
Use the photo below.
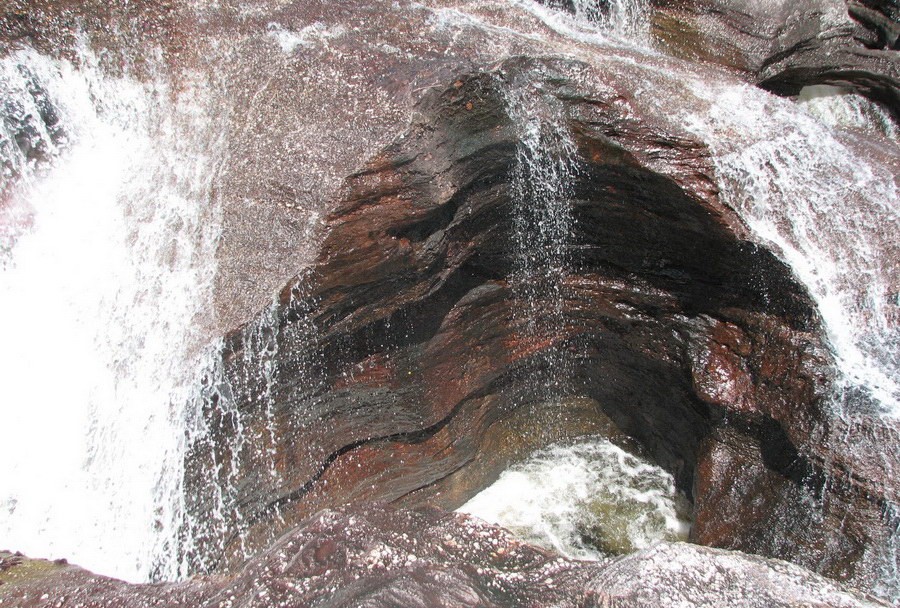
{"type": "Point", "coordinates": [109, 229]}
{"type": "Point", "coordinates": [620, 17]}
{"type": "Point", "coordinates": [587, 500]}
{"type": "Point", "coordinates": [105, 282]}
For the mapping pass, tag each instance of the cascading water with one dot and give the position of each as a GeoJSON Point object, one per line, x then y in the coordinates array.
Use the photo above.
{"type": "Point", "coordinates": [110, 242]}
{"type": "Point", "coordinates": [541, 186]}
{"type": "Point", "coordinates": [623, 21]}
{"type": "Point", "coordinates": [109, 232]}
{"type": "Point", "coordinates": [624, 17]}
{"type": "Point", "coordinates": [804, 189]}
{"type": "Point", "coordinates": [234, 424]}
{"type": "Point", "coordinates": [837, 107]}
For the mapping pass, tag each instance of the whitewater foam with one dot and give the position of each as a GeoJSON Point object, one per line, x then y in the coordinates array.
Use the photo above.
{"type": "Point", "coordinates": [585, 500]}
{"type": "Point", "coordinates": [102, 295]}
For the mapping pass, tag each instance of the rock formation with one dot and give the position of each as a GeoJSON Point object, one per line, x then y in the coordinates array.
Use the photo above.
{"type": "Point", "coordinates": [429, 559]}
{"type": "Point", "coordinates": [784, 46]}
{"type": "Point", "coordinates": [420, 349]}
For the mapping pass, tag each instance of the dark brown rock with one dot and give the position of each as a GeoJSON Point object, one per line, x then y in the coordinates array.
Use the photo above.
{"type": "Point", "coordinates": [788, 45]}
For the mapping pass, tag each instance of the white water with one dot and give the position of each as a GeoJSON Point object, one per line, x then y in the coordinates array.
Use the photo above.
{"type": "Point", "coordinates": [806, 190]}
{"type": "Point", "coordinates": [625, 17]}
{"type": "Point", "coordinates": [839, 108]}
{"type": "Point", "coordinates": [101, 297]}
{"type": "Point", "coordinates": [543, 223]}
{"type": "Point", "coordinates": [585, 500]}
{"type": "Point", "coordinates": [596, 21]}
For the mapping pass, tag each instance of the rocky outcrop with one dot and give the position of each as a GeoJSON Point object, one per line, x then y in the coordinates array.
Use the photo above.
{"type": "Point", "coordinates": [385, 153]}
{"type": "Point", "coordinates": [407, 366]}
{"type": "Point", "coordinates": [686, 575]}
{"type": "Point", "coordinates": [426, 558]}
{"type": "Point", "coordinates": [785, 46]}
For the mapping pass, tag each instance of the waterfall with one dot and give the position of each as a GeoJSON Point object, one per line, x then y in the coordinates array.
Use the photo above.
{"type": "Point", "coordinates": [824, 198]}
{"type": "Point", "coordinates": [594, 21]}
{"type": "Point", "coordinates": [542, 188]}
{"type": "Point", "coordinates": [808, 190]}
{"type": "Point", "coordinates": [621, 16]}
{"type": "Point", "coordinates": [109, 225]}
{"type": "Point", "coordinates": [109, 243]}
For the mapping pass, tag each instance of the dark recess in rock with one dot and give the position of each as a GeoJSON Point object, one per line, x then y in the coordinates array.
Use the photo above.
{"type": "Point", "coordinates": [406, 353]}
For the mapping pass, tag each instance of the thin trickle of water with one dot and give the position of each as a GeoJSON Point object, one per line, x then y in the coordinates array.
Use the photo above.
{"type": "Point", "coordinates": [542, 189]}
{"type": "Point", "coordinates": [217, 455]}
{"type": "Point", "coordinates": [103, 295]}
{"type": "Point", "coordinates": [236, 432]}
{"type": "Point", "coordinates": [888, 555]}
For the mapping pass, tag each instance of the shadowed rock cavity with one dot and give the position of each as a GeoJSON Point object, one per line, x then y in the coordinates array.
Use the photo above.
{"type": "Point", "coordinates": [408, 366]}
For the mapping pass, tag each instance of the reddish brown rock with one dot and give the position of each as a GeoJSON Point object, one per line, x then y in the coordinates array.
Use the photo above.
{"type": "Point", "coordinates": [379, 557]}
{"type": "Point", "coordinates": [407, 372]}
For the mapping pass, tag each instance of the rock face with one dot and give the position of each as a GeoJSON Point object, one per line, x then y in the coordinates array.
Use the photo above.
{"type": "Point", "coordinates": [426, 558]}
{"type": "Point", "coordinates": [422, 351]}
{"type": "Point", "coordinates": [691, 576]}
{"type": "Point", "coordinates": [784, 46]}
{"type": "Point", "coordinates": [407, 365]}
{"type": "Point", "coordinates": [458, 305]}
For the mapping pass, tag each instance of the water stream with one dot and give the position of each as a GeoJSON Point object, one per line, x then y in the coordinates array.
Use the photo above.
{"type": "Point", "coordinates": [109, 228]}
{"type": "Point", "coordinates": [541, 185]}
{"type": "Point", "coordinates": [104, 288]}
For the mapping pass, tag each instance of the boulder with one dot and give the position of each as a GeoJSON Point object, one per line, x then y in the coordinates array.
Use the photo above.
{"type": "Point", "coordinates": [689, 576]}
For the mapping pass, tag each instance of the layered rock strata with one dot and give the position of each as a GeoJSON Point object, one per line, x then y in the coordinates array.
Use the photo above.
{"type": "Point", "coordinates": [406, 367]}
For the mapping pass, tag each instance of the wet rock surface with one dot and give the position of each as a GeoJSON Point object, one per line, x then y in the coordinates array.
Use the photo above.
{"type": "Point", "coordinates": [784, 46]}
{"type": "Point", "coordinates": [383, 557]}
{"type": "Point", "coordinates": [404, 368]}
{"type": "Point", "coordinates": [401, 365]}
{"type": "Point", "coordinates": [687, 575]}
